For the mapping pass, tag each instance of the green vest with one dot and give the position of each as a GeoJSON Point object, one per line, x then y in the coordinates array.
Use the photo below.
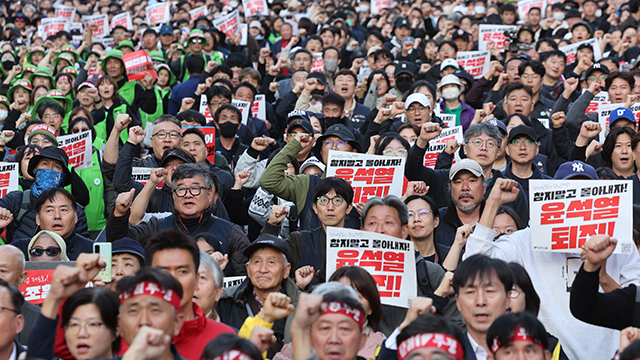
{"type": "Point", "coordinates": [128, 91]}
{"type": "Point", "coordinates": [146, 118]}
{"type": "Point", "coordinates": [101, 127]}
{"type": "Point", "coordinates": [92, 177]}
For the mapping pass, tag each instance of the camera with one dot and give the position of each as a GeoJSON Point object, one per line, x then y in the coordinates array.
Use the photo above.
{"type": "Point", "coordinates": [511, 41]}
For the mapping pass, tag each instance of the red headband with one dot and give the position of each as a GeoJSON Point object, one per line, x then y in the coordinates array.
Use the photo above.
{"type": "Point", "coordinates": [338, 307]}
{"type": "Point", "coordinates": [153, 289]}
{"type": "Point", "coordinates": [233, 354]}
{"type": "Point", "coordinates": [431, 340]}
{"type": "Point", "coordinates": [519, 335]}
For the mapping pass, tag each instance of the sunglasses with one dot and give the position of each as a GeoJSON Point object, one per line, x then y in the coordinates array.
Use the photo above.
{"type": "Point", "coordinates": [20, 20]}
{"type": "Point", "coordinates": [197, 41]}
{"type": "Point", "coordinates": [51, 251]}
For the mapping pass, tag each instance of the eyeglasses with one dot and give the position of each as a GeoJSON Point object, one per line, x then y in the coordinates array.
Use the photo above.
{"type": "Point", "coordinates": [527, 143]}
{"type": "Point", "coordinates": [490, 144]}
{"type": "Point", "coordinates": [51, 251]}
{"type": "Point", "coordinates": [197, 41]}
{"type": "Point", "coordinates": [163, 134]}
{"type": "Point", "coordinates": [181, 191]}
{"type": "Point", "coordinates": [336, 201]}
{"type": "Point", "coordinates": [218, 103]}
{"type": "Point", "coordinates": [339, 144]}
{"type": "Point", "coordinates": [515, 292]}
{"type": "Point", "coordinates": [293, 134]}
{"type": "Point", "coordinates": [594, 78]}
{"type": "Point", "coordinates": [414, 109]}
{"type": "Point", "coordinates": [91, 328]}
{"type": "Point", "coordinates": [423, 213]}
{"type": "Point", "coordinates": [530, 76]}
{"type": "Point", "coordinates": [217, 77]}
{"type": "Point", "coordinates": [54, 117]}
{"type": "Point", "coordinates": [399, 152]}
{"type": "Point", "coordinates": [9, 309]}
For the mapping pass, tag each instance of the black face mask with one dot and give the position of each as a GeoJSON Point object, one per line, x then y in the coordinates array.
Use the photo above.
{"type": "Point", "coordinates": [404, 83]}
{"type": "Point", "coordinates": [228, 129]}
{"type": "Point", "coordinates": [317, 92]}
{"type": "Point", "coordinates": [7, 64]}
{"type": "Point", "coordinates": [328, 121]}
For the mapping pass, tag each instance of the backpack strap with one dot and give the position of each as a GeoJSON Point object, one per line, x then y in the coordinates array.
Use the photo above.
{"type": "Point", "coordinates": [423, 278]}
{"type": "Point", "coordinates": [25, 206]}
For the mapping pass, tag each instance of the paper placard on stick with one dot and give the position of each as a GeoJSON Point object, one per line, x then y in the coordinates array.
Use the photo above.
{"type": "Point", "coordinates": [244, 107]}
{"type": "Point", "coordinates": [228, 24]}
{"type": "Point", "coordinates": [259, 107]}
{"type": "Point", "coordinates": [525, 5]}
{"type": "Point", "coordinates": [572, 50]}
{"type": "Point", "coordinates": [369, 175]}
{"type": "Point", "coordinates": [159, 13]}
{"type": "Point", "coordinates": [101, 21]}
{"type": "Point", "coordinates": [138, 65]}
{"type": "Point", "coordinates": [377, 5]}
{"type": "Point", "coordinates": [604, 111]}
{"type": "Point", "coordinates": [449, 120]}
{"type": "Point", "coordinates": [209, 140]}
{"type": "Point", "coordinates": [76, 26]}
{"type": "Point", "coordinates": [255, 7]}
{"type": "Point", "coordinates": [141, 174]}
{"type": "Point", "coordinates": [390, 261]}
{"type": "Point", "coordinates": [565, 214]}
{"type": "Point", "coordinates": [37, 285]}
{"type": "Point", "coordinates": [475, 63]}
{"type": "Point", "coordinates": [52, 26]}
{"type": "Point", "coordinates": [493, 33]}
{"type": "Point", "coordinates": [108, 42]}
{"type": "Point", "coordinates": [199, 11]}
{"type": "Point", "coordinates": [78, 148]}
{"type": "Point", "coordinates": [244, 34]}
{"type": "Point", "coordinates": [122, 19]}
{"type": "Point", "coordinates": [204, 108]}
{"type": "Point", "coordinates": [438, 144]}
{"type": "Point", "coordinates": [601, 98]}
{"type": "Point", "coordinates": [8, 178]}
{"type": "Point", "coordinates": [65, 12]}
{"type": "Point", "coordinates": [231, 281]}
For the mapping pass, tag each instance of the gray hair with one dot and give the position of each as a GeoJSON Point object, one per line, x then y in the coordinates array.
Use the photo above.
{"type": "Point", "coordinates": [188, 171]}
{"type": "Point", "coordinates": [490, 130]}
{"type": "Point", "coordinates": [167, 118]}
{"type": "Point", "coordinates": [208, 263]}
{"type": "Point", "coordinates": [391, 201]}
{"type": "Point", "coordinates": [336, 288]}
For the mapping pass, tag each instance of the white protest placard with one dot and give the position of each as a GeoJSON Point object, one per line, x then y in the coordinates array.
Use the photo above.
{"type": "Point", "coordinates": [377, 5]}
{"type": "Point", "coordinates": [449, 120]}
{"type": "Point", "coordinates": [76, 26]}
{"type": "Point", "coordinates": [244, 107]}
{"type": "Point", "coordinates": [228, 24]}
{"type": "Point", "coordinates": [65, 12]}
{"type": "Point", "coordinates": [255, 7]}
{"type": "Point", "coordinates": [78, 148]}
{"type": "Point", "coordinates": [52, 26]}
{"type": "Point", "coordinates": [8, 178]}
{"type": "Point", "coordinates": [604, 111]}
{"type": "Point", "coordinates": [437, 145]}
{"type": "Point", "coordinates": [141, 174]}
{"type": "Point", "coordinates": [199, 11]}
{"type": "Point", "coordinates": [244, 34]}
{"type": "Point", "coordinates": [101, 21]}
{"type": "Point", "coordinates": [204, 108]}
{"type": "Point", "coordinates": [475, 63]}
{"type": "Point", "coordinates": [493, 33]}
{"type": "Point", "coordinates": [159, 13]}
{"type": "Point", "coordinates": [107, 42]}
{"type": "Point", "coordinates": [122, 19]}
{"type": "Point", "coordinates": [231, 281]}
{"type": "Point", "coordinates": [567, 213]}
{"type": "Point", "coordinates": [259, 107]}
{"type": "Point", "coordinates": [390, 261]}
{"type": "Point", "coordinates": [600, 98]}
{"type": "Point", "coordinates": [369, 175]}
{"type": "Point", "coordinates": [525, 5]}
{"type": "Point", "coordinates": [572, 49]}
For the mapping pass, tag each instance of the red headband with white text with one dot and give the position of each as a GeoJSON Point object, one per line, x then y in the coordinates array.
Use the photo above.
{"type": "Point", "coordinates": [338, 307]}
{"type": "Point", "coordinates": [441, 341]}
{"type": "Point", "coordinates": [233, 354]}
{"type": "Point", "coordinates": [153, 289]}
{"type": "Point", "coordinates": [519, 335]}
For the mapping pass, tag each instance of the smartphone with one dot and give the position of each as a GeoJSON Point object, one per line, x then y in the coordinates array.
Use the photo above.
{"type": "Point", "coordinates": [104, 249]}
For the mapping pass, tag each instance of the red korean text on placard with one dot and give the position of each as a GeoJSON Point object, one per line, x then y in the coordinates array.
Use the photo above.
{"type": "Point", "coordinates": [381, 264]}
{"type": "Point", "coordinates": [377, 180]}
{"type": "Point", "coordinates": [36, 286]}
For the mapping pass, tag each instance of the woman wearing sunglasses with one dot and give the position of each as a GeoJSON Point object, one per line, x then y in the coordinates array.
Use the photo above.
{"type": "Point", "coordinates": [47, 246]}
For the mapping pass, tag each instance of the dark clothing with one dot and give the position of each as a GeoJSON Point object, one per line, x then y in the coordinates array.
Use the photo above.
{"type": "Point", "coordinates": [617, 309]}
{"type": "Point", "coordinates": [636, 188]}
{"type": "Point", "coordinates": [76, 245]}
{"type": "Point", "coordinates": [231, 236]}
{"type": "Point", "coordinates": [524, 183]}
{"type": "Point", "coordinates": [181, 91]}
{"type": "Point", "coordinates": [30, 313]}
{"type": "Point", "coordinates": [445, 233]}
{"type": "Point", "coordinates": [232, 155]}
{"type": "Point", "coordinates": [26, 227]}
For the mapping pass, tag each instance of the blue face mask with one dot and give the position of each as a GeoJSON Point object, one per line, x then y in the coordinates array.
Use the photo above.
{"type": "Point", "coordinates": [46, 179]}
{"type": "Point", "coordinates": [349, 22]}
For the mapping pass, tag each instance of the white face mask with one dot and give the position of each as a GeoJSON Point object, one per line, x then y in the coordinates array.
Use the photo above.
{"type": "Point", "coordinates": [599, 13]}
{"type": "Point", "coordinates": [479, 9]}
{"type": "Point", "coordinates": [3, 114]}
{"type": "Point", "coordinates": [363, 8]}
{"type": "Point", "coordinates": [558, 15]}
{"type": "Point", "coordinates": [451, 93]}
{"type": "Point", "coordinates": [233, 4]}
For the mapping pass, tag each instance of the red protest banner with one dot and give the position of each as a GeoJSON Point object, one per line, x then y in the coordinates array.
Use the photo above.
{"type": "Point", "coordinates": [228, 24]}
{"type": "Point", "coordinates": [475, 63]}
{"type": "Point", "coordinates": [493, 33]}
{"type": "Point", "coordinates": [138, 65]}
{"type": "Point", "coordinates": [78, 148]}
{"type": "Point", "coordinates": [8, 178]}
{"type": "Point", "coordinates": [100, 21]}
{"type": "Point", "coordinates": [37, 285]}
{"type": "Point", "coordinates": [255, 7]}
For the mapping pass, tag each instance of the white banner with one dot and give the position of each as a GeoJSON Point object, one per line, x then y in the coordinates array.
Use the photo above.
{"type": "Point", "coordinates": [255, 7]}
{"type": "Point", "coordinates": [604, 111]}
{"type": "Point", "coordinates": [52, 26]}
{"type": "Point", "coordinates": [475, 63]}
{"type": "Point", "coordinates": [244, 107]}
{"type": "Point", "coordinates": [141, 174]}
{"type": "Point", "coordinates": [65, 12]}
{"type": "Point", "coordinates": [369, 175]}
{"type": "Point", "coordinates": [204, 108]}
{"type": "Point", "coordinates": [377, 5]}
{"type": "Point", "coordinates": [493, 33]}
{"type": "Point", "coordinates": [449, 120]}
{"type": "Point", "coordinates": [199, 11]}
{"type": "Point", "coordinates": [525, 5]}
{"type": "Point", "coordinates": [228, 24]}
{"type": "Point", "coordinates": [8, 178]}
{"type": "Point", "coordinates": [572, 50]}
{"type": "Point", "coordinates": [231, 281]}
{"type": "Point", "coordinates": [259, 107]}
{"type": "Point", "coordinates": [123, 19]}
{"type": "Point", "coordinates": [78, 148]}
{"type": "Point", "coordinates": [101, 21]}
{"type": "Point", "coordinates": [390, 261]}
{"type": "Point", "coordinates": [158, 13]}
{"type": "Point", "coordinates": [565, 214]}
{"type": "Point", "coordinates": [437, 145]}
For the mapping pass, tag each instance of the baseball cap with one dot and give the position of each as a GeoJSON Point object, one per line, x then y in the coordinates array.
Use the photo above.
{"type": "Point", "coordinates": [404, 67]}
{"type": "Point", "coordinates": [522, 130]}
{"type": "Point", "coordinates": [129, 246]}
{"type": "Point", "coordinates": [451, 79]}
{"type": "Point", "coordinates": [449, 62]}
{"type": "Point", "coordinates": [581, 23]}
{"type": "Point", "coordinates": [298, 114]}
{"type": "Point", "coordinates": [573, 13]}
{"type": "Point", "coordinates": [422, 99]}
{"type": "Point", "coordinates": [54, 153]}
{"type": "Point", "coordinates": [312, 161]}
{"type": "Point", "coordinates": [255, 24]}
{"type": "Point", "coordinates": [466, 164]}
{"type": "Point", "coordinates": [499, 124]}
{"type": "Point", "coordinates": [210, 239]}
{"type": "Point", "coordinates": [173, 154]}
{"type": "Point", "coordinates": [341, 131]}
{"type": "Point", "coordinates": [596, 67]}
{"type": "Point", "coordinates": [267, 240]}
{"type": "Point", "coordinates": [372, 50]}
{"type": "Point", "coordinates": [621, 113]}
{"type": "Point", "coordinates": [166, 30]}
{"type": "Point", "coordinates": [575, 169]}
{"type": "Point", "coordinates": [305, 124]}
{"type": "Point", "coordinates": [402, 22]}
{"type": "Point", "coordinates": [321, 77]}
{"type": "Point", "coordinates": [460, 34]}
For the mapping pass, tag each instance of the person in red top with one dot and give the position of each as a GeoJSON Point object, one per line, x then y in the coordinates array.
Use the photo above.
{"type": "Point", "coordinates": [178, 254]}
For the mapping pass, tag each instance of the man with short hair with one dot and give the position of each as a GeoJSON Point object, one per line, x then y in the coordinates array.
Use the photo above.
{"type": "Point", "coordinates": [177, 254]}
{"type": "Point", "coordinates": [193, 194]}
{"type": "Point", "coordinates": [11, 321]}
{"type": "Point", "coordinates": [166, 133]}
{"type": "Point", "coordinates": [195, 64]}
{"type": "Point", "coordinates": [127, 258]}
{"type": "Point", "coordinates": [228, 120]}
{"type": "Point", "coordinates": [522, 147]}
{"type": "Point", "coordinates": [150, 40]}
{"type": "Point", "coordinates": [518, 334]}
{"type": "Point", "coordinates": [193, 141]}
{"type": "Point", "coordinates": [554, 62]}
{"type": "Point", "coordinates": [268, 271]}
